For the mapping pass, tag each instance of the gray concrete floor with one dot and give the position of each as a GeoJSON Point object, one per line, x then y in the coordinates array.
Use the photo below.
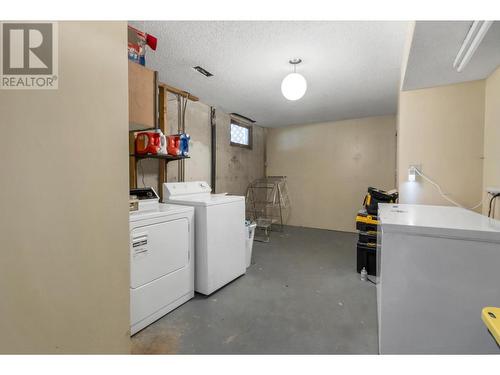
{"type": "Point", "coordinates": [301, 295]}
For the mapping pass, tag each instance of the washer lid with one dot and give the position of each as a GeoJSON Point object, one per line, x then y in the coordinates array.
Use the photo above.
{"type": "Point", "coordinates": [206, 199]}
{"type": "Point", "coordinates": [175, 189]}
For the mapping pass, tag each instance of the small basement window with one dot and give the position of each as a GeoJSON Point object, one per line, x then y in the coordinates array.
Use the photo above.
{"type": "Point", "coordinates": [241, 135]}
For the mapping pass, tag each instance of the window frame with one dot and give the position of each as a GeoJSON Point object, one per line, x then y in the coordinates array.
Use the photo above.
{"type": "Point", "coordinates": [250, 134]}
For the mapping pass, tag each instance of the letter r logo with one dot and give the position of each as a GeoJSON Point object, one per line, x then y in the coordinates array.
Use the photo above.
{"type": "Point", "coordinates": [27, 48]}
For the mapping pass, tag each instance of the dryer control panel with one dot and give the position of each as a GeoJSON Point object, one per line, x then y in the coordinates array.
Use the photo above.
{"type": "Point", "coordinates": [144, 193]}
{"type": "Point", "coordinates": [147, 197]}
{"type": "Point", "coordinates": [176, 189]}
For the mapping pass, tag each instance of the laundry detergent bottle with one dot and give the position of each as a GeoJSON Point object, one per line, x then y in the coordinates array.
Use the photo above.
{"type": "Point", "coordinates": [173, 145]}
{"type": "Point", "coordinates": [184, 144]}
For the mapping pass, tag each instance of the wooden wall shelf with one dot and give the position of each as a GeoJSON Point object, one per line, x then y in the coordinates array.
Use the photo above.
{"type": "Point", "coordinates": [148, 109]}
{"type": "Point", "coordinates": [175, 90]}
{"type": "Point", "coordinates": [167, 158]}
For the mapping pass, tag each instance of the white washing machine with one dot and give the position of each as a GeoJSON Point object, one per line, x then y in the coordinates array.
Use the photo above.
{"type": "Point", "coordinates": [219, 233]}
{"type": "Point", "coordinates": [161, 258]}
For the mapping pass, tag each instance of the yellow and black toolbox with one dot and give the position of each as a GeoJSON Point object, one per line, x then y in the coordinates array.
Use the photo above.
{"type": "Point", "coordinates": [376, 196]}
{"type": "Point", "coordinates": [366, 249]}
{"type": "Point", "coordinates": [366, 222]}
{"type": "Point", "coordinates": [369, 237]}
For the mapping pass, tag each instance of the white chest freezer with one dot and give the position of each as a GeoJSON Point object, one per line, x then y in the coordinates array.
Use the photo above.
{"type": "Point", "coordinates": [438, 267]}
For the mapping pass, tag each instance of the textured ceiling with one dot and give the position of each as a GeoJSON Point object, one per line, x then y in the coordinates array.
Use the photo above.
{"type": "Point", "coordinates": [433, 50]}
{"type": "Point", "coordinates": [352, 68]}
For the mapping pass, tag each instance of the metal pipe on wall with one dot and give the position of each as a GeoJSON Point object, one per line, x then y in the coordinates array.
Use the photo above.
{"type": "Point", "coordinates": [213, 148]}
{"type": "Point", "coordinates": [182, 101]}
{"type": "Point", "coordinates": [180, 120]}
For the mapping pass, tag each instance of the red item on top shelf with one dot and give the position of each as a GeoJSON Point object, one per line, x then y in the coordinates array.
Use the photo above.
{"type": "Point", "coordinates": [174, 145]}
{"type": "Point", "coordinates": [147, 143]}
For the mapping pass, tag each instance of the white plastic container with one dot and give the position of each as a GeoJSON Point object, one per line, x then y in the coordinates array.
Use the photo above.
{"type": "Point", "coordinates": [364, 274]}
{"type": "Point", "coordinates": [249, 241]}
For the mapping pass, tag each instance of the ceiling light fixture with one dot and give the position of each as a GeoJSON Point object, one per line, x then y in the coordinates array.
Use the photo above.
{"type": "Point", "coordinates": [294, 85]}
{"type": "Point", "coordinates": [469, 46]}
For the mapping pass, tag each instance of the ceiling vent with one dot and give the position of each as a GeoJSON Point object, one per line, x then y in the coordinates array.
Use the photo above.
{"type": "Point", "coordinates": [205, 72]}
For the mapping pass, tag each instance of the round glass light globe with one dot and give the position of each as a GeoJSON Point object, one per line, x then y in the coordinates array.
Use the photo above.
{"type": "Point", "coordinates": [294, 86]}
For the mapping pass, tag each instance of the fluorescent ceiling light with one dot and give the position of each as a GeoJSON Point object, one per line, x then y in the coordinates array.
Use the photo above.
{"type": "Point", "coordinates": [469, 46]}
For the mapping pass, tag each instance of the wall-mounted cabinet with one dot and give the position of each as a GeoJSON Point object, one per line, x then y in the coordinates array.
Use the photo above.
{"type": "Point", "coordinates": [142, 107]}
{"type": "Point", "coordinates": [142, 96]}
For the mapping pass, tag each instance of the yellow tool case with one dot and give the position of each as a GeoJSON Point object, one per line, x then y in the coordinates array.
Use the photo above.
{"type": "Point", "coordinates": [491, 318]}
{"type": "Point", "coordinates": [366, 222]}
{"type": "Point", "coordinates": [376, 196]}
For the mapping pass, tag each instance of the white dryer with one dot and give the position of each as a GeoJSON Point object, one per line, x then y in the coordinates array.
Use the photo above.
{"type": "Point", "coordinates": [161, 259]}
{"type": "Point", "coordinates": [219, 232]}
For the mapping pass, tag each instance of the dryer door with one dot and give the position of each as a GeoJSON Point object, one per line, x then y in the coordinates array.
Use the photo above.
{"type": "Point", "coordinates": [157, 250]}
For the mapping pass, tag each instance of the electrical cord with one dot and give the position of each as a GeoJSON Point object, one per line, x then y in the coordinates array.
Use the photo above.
{"type": "Point", "coordinates": [494, 209]}
{"type": "Point", "coordinates": [184, 106]}
{"type": "Point", "coordinates": [184, 102]}
{"type": "Point", "coordinates": [436, 185]}
{"type": "Point", "coordinates": [142, 172]}
{"type": "Point", "coordinates": [492, 199]}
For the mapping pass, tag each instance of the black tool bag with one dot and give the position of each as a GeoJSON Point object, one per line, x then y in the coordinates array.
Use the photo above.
{"type": "Point", "coordinates": [376, 196]}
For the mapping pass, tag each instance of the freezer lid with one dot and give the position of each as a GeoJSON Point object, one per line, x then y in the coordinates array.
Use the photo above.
{"type": "Point", "coordinates": [438, 221]}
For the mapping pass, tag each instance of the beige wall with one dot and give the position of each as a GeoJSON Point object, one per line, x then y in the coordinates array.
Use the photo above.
{"type": "Point", "coordinates": [491, 171]}
{"type": "Point", "coordinates": [329, 167]}
{"type": "Point", "coordinates": [441, 129]}
{"type": "Point", "coordinates": [64, 263]}
{"type": "Point", "coordinates": [236, 167]}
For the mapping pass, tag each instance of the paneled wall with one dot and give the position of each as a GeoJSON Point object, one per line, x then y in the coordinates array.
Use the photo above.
{"type": "Point", "coordinates": [491, 171]}
{"type": "Point", "coordinates": [330, 165]}
{"type": "Point", "coordinates": [442, 130]}
{"type": "Point", "coordinates": [64, 258]}
{"type": "Point", "coordinates": [237, 166]}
